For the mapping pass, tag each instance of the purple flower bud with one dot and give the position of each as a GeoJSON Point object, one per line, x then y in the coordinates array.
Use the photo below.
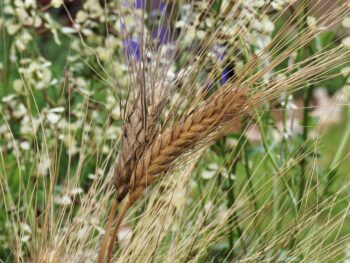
{"type": "Point", "coordinates": [162, 7]}
{"type": "Point", "coordinates": [226, 74]}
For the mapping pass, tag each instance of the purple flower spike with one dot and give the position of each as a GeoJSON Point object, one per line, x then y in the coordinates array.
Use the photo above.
{"type": "Point", "coordinates": [162, 7]}
{"type": "Point", "coordinates": [139, 4]}
{"type": "Point", "coordinates": [132, 49]}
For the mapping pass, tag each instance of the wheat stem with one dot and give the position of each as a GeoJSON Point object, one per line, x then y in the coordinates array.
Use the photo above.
{"type": "Point", "coordinates": [105, 242]}
{"type": "Point", "coordinates": [115, 230]}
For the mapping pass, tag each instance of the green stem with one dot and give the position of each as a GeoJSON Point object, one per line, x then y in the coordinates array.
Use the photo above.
{"type": "Point", "coordinates": [305, 135]}
{"type": "Point", "coordinates": [249, 178]}
{"type": "Point", "coordinates": [306, 51]}
{"type": "Point", "coordinates": [7, 64]}
{"type": "Point", "coordinates": [346, 136]}
{"type": "Point", "coordinates": [233, 219]}
{"type": "Point", "coordinates": [334, 166]}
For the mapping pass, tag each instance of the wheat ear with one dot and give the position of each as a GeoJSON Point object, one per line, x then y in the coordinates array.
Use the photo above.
{"type": "Point", "coordinates": [137, 133]}
{"type": "Point", "coordinates": [132, 144]}
{"type": "Point", "coordinates": [207, 123]}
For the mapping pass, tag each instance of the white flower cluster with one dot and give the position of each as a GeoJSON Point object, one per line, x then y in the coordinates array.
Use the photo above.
{"type": "Point", "coordinates": [59, 92]}
{"type": "Point", "coordinates": [36, 73]}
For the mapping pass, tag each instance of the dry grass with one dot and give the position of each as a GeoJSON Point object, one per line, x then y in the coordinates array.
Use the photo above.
{"type": "Point", "coordinates": [161, 141]}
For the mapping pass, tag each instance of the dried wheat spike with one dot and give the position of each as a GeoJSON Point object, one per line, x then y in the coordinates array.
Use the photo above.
{"type": "Point", "coordinates": [132, 143]}
{"type": "Point", "coordinates": [208, 122]}
{"type": "Point", "coordinates": [135, 138]}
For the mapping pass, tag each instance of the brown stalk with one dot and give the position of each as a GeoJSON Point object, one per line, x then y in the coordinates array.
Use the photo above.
{"type": "Point", "coordinates": [115, 231]}
{"type": "Point", "coordinates": [106, 238]}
